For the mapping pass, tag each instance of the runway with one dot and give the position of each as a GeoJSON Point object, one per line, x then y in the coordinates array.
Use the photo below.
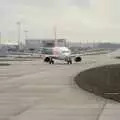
{"type": "Point", "coordinates": [33, 90]}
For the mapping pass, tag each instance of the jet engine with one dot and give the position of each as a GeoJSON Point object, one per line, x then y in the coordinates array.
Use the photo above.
{"type": "Point", "coordinates": [78, 59]}
{"type": "Point", "coordinates": [47, 59]}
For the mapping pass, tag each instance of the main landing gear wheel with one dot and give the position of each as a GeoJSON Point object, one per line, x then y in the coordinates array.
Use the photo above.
{"type": "Point", "coordinates": [51, 61]}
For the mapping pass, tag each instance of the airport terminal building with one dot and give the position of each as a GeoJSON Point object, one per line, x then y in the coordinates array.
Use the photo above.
{"type": "Point", "coordinates": [3, 50]}
{"type": "Point", "coordinates": [37, 44]}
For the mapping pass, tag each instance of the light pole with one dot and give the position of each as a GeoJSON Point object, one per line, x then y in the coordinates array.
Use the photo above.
{"type": "Point", "coordinates": [26, 34]}
{"type": "Point", "coordinates": [0, 38]}
{"type": "Point", "coordinates": [55, 32]}
{"type": "Point", "coordinates": [93, 43]}
{"type": "Point", "coordinates": [19, 33]}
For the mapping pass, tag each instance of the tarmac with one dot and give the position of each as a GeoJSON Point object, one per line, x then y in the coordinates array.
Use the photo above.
{"type": "Point", "coordinates": [33, 90]}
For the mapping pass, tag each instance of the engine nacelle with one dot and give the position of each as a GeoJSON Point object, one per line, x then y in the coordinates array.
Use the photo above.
{"type": "Point", "coordinates": [47, 59]}
{"type": "Point", "coordinates": [78, 59]}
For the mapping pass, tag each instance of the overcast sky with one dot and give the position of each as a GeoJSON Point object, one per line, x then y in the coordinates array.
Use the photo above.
{"type": "Point", "coordinates": [75, 20]}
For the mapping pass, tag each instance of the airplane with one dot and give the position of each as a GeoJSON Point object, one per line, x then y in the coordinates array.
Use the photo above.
{"type": "Point", "coordinates": [59, 53]}
{"type": "Point", "coordinates": [49, 54]}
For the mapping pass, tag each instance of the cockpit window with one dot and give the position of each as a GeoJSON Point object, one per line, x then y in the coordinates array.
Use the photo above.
{"type": "Point", "coordinates": [65, 51]}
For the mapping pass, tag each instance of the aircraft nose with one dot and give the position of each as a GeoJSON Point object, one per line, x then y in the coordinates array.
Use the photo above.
{"type": "Point", "coordinates": [66, 54]}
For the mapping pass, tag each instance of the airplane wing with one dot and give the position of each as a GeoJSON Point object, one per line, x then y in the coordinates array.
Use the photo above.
{"type": "Point", "coordinates": [97, 52]}
{"type": "Point", "coordinates": [78, 57]}
{"type": "Point", "coordinates": [75, 55]}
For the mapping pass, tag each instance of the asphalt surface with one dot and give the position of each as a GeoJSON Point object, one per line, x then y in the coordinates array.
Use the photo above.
{"type": "Point", "coordinates": [33, 90]}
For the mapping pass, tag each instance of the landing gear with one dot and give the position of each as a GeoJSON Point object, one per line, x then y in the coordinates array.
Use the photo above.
{"type": "Point", "coordinates": [51, 61]}
{"type": "Point", "coordinates": [69, 61]}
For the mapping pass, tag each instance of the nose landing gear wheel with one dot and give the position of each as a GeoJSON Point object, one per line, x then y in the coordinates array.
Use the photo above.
{"type": "Point", "coordinates": [69, 61]}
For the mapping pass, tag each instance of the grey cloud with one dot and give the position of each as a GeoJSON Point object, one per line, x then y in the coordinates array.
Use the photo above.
{"type": "Point", "coordinates": [50, 3]}
{"type": "Point", "coordinates": [39, 3]}
{"type": "Point", "coordinates": [80, 3]}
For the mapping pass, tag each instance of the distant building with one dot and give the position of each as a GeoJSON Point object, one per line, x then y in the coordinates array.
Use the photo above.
{"type": "Point", "coordinates": [3, 51]}
{"type": "Point", "coordinates": [36, 44]}
{"type": "Point", "coordinates": [109, 45]}
{"type": "Point", "coordinates": [61, 42]}
{"type": "Point", "coordinates": [12, 48]}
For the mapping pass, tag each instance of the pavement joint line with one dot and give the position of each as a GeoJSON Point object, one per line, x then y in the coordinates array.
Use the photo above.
{"type": "Point", "coordinates": [102, 110]}
{"type": "Point", "coordinates": [27, 108]}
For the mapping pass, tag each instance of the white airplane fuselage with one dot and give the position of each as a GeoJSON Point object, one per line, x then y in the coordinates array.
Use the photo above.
{"type": "Point", "coordinates": [61, 53]}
